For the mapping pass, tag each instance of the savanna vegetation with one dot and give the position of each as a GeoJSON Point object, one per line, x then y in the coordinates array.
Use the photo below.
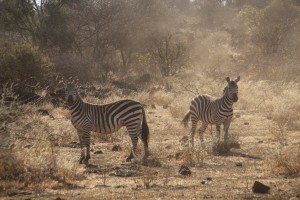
{"type": "Point", "coordinates": [161, 53]}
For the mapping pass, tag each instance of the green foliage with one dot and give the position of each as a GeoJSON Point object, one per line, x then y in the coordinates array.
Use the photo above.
{"type": "Point", "coordinates": [15, 14]}
{"type": "Point", "coordinates": [269, 26]}
{"type": "Point", "coordinates": [22, 61]}
{"type": "Point", "coordinates": [57, 24]}
{"type": "Point", "coordinates": [44, 24]}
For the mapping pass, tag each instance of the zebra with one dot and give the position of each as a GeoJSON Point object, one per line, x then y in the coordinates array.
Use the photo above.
{"type": "Point", "coordinates": [107, 118]}
{"type": "Point", "coordinates": [210, 110]}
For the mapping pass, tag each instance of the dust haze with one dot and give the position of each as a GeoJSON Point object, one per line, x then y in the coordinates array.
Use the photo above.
{"type": "Point", "coordinates": [161, 53]}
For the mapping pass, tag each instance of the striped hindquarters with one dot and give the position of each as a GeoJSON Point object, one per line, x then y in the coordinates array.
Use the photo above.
{"type": "Point", "coordinates": [111, 117]}
{"type": "Point", "coordinates": [204, 107]}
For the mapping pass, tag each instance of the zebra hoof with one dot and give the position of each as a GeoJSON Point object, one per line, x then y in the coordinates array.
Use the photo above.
{"type": "Point", "coordinates": [128, 159]}
{"type": "Point", "coordinates": [82, 160]}
{"type": "Point", "coordinates": [86, 161]}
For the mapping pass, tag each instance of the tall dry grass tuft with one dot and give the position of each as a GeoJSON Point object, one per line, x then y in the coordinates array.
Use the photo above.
{"type": "Point", "coordinates": [266, 96]}
{"type": "Point", "coordinates": [33, 141]}
{"type": "Point", "coordinates": [148, 179]}
{"type": "Point", "coordinates": [195, 156]}
{"type": "Point", "coordinates": [161, 98]}
{"type": "Point", "coordinates": [287, 162]}
{"type": "Point", "coordinates": [179, 108]}
{"type": "Point", "coordinates": [223, 148]}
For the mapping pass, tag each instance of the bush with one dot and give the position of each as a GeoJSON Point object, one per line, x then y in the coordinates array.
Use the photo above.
{"type": "Point", "coordinates": [22, 61]}
{"type": "Point", "coordinates": [29, 148]}
{"type": "Point", "coordinates": [287, 162]}
{"type": "Point", "coordinates": [270, 26]}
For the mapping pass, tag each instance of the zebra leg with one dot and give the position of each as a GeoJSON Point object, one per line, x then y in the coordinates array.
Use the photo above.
{"type": "Point", "coordinates": [218, 126]}
{"type": "Point", "coordinates": [226, 128]}
{"type": "Point", "coordinates": [193, 130]}
{"type": "Point", "coordinates": [146, 152]}
{"type": "Point", "coordinates": [87, 141]}
{"type": "Point", "coordinates": [134, 141]}
{"type": "Point", "coordinates": [201, 131]}
{"type": "Point", "coordinates": [82, 155]}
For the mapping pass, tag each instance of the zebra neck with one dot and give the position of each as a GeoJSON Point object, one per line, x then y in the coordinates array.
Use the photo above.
{"type": "Point", "coordinates": [76, 103]}
{"type": "Point", "coordinates": [226, 102]}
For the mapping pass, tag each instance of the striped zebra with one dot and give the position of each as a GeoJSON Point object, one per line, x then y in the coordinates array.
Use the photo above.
{"type": "Point", "coordinates": [210, 110]}
{"type": "Point", "coordinates": [107, 119]}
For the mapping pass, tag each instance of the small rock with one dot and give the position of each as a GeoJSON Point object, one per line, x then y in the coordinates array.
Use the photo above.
{"type": "Point", "coordinates": [14, 193]}
{"type": "Point", "coordinates": [72, 144]}
{"type": "Point", "coordinates": [261, 188]}
{"type": "Point", "coordinates": [178, 155]}
{"type": "Point", "coordinates": [43, 112]}
{"type": "Point", "coordinates": [152, 162]}
{"type": "Point", "coordinates": [184, 170]}
{"type": "Point", "coordinates": [125, 173]}
{"type": "Point", "coordinates": [203, 182]}
{"type": "Point", "coordinates": [98, 152]}
{"type": "Point", "coordinates": [116, 148]}
{"type": "Point", "coordinates": [239, 164]}
{"type": "Point", "coordinates": [28, 146]}
{"type": "Point", "coordinates": [209, 178]}
{"type": "Point", "coordinates": [165, 106]}
{"type": "Point", "coordinates": [92, 168]}
{"type": "Point", "coordinates": [246, 123]}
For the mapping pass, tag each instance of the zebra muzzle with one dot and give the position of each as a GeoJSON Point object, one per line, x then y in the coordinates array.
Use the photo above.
{"type": "Point", "coordinates": [235, 99]}
{"type": "Point", "coordinates": [70, 100]}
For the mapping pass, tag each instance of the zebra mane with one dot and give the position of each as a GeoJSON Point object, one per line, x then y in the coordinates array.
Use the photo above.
{"type": "Point", "coordinates": [225, 90]}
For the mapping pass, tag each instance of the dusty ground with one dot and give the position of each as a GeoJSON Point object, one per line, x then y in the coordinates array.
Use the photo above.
{"type": "Point", "coordinates": [228, 176]}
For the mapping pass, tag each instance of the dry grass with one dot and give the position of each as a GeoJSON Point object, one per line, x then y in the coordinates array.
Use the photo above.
{"type": "Point", "coordinates": [34, 159]}
{"type": "Point", "coordinates": [33, 143]}
{"type": "Point", "coordinates": [148, 179]}
{"type": "Point", "coordinates": [196, 156]}
{"type": "Point", "coordinates": [179, 108]}
{"type": "Point", "coordinates": [161, 98]}
{"type": "Point", "coordinates": [223, 148]}
{"type": "Point", "coordinates": [287, 162]}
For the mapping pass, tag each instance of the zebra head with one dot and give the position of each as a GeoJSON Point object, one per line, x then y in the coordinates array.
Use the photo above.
{"type": "Point", "coordinates": [232, 88]}
{"type": "Point", "coordinates": [71, 93]}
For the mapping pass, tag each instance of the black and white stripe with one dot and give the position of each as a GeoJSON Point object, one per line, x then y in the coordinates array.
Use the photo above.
{"type": "Point", "coordinates": [106, 119]}
{"type": "Point", "coordinates": [209, 110]}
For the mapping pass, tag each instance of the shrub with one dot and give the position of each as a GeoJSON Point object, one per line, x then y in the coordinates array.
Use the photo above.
{"type": "Point", "coordinates": [21, 61]}
{"type": "Point", "coordinates": [269, 34]}
{"type": "Point", "coordinates": [287, 162]}
{"type": "Point", "coordinates": [29, 148]}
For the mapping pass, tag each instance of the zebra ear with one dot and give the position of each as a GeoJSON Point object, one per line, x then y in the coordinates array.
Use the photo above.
{"type": "Point", "coordinates": [237, 79]}
{"type": "Point", "coordinates": [228, 79]}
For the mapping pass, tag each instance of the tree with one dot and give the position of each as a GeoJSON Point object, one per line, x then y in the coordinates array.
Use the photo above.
{"type": "Point", "coordinates": [42, 23]}
{"type": "Point", "coordinates": [168, 54]}
{"type": "Point", "coordinates": [20, 62]}
{"type": "Point", "coordinates": [269, 26]}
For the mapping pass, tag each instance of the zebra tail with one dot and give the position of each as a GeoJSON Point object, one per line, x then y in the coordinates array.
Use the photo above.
{"type": "Point", "coordinates": [145, 130]}
{"type": "Point", "coordinates": [186, 118]}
